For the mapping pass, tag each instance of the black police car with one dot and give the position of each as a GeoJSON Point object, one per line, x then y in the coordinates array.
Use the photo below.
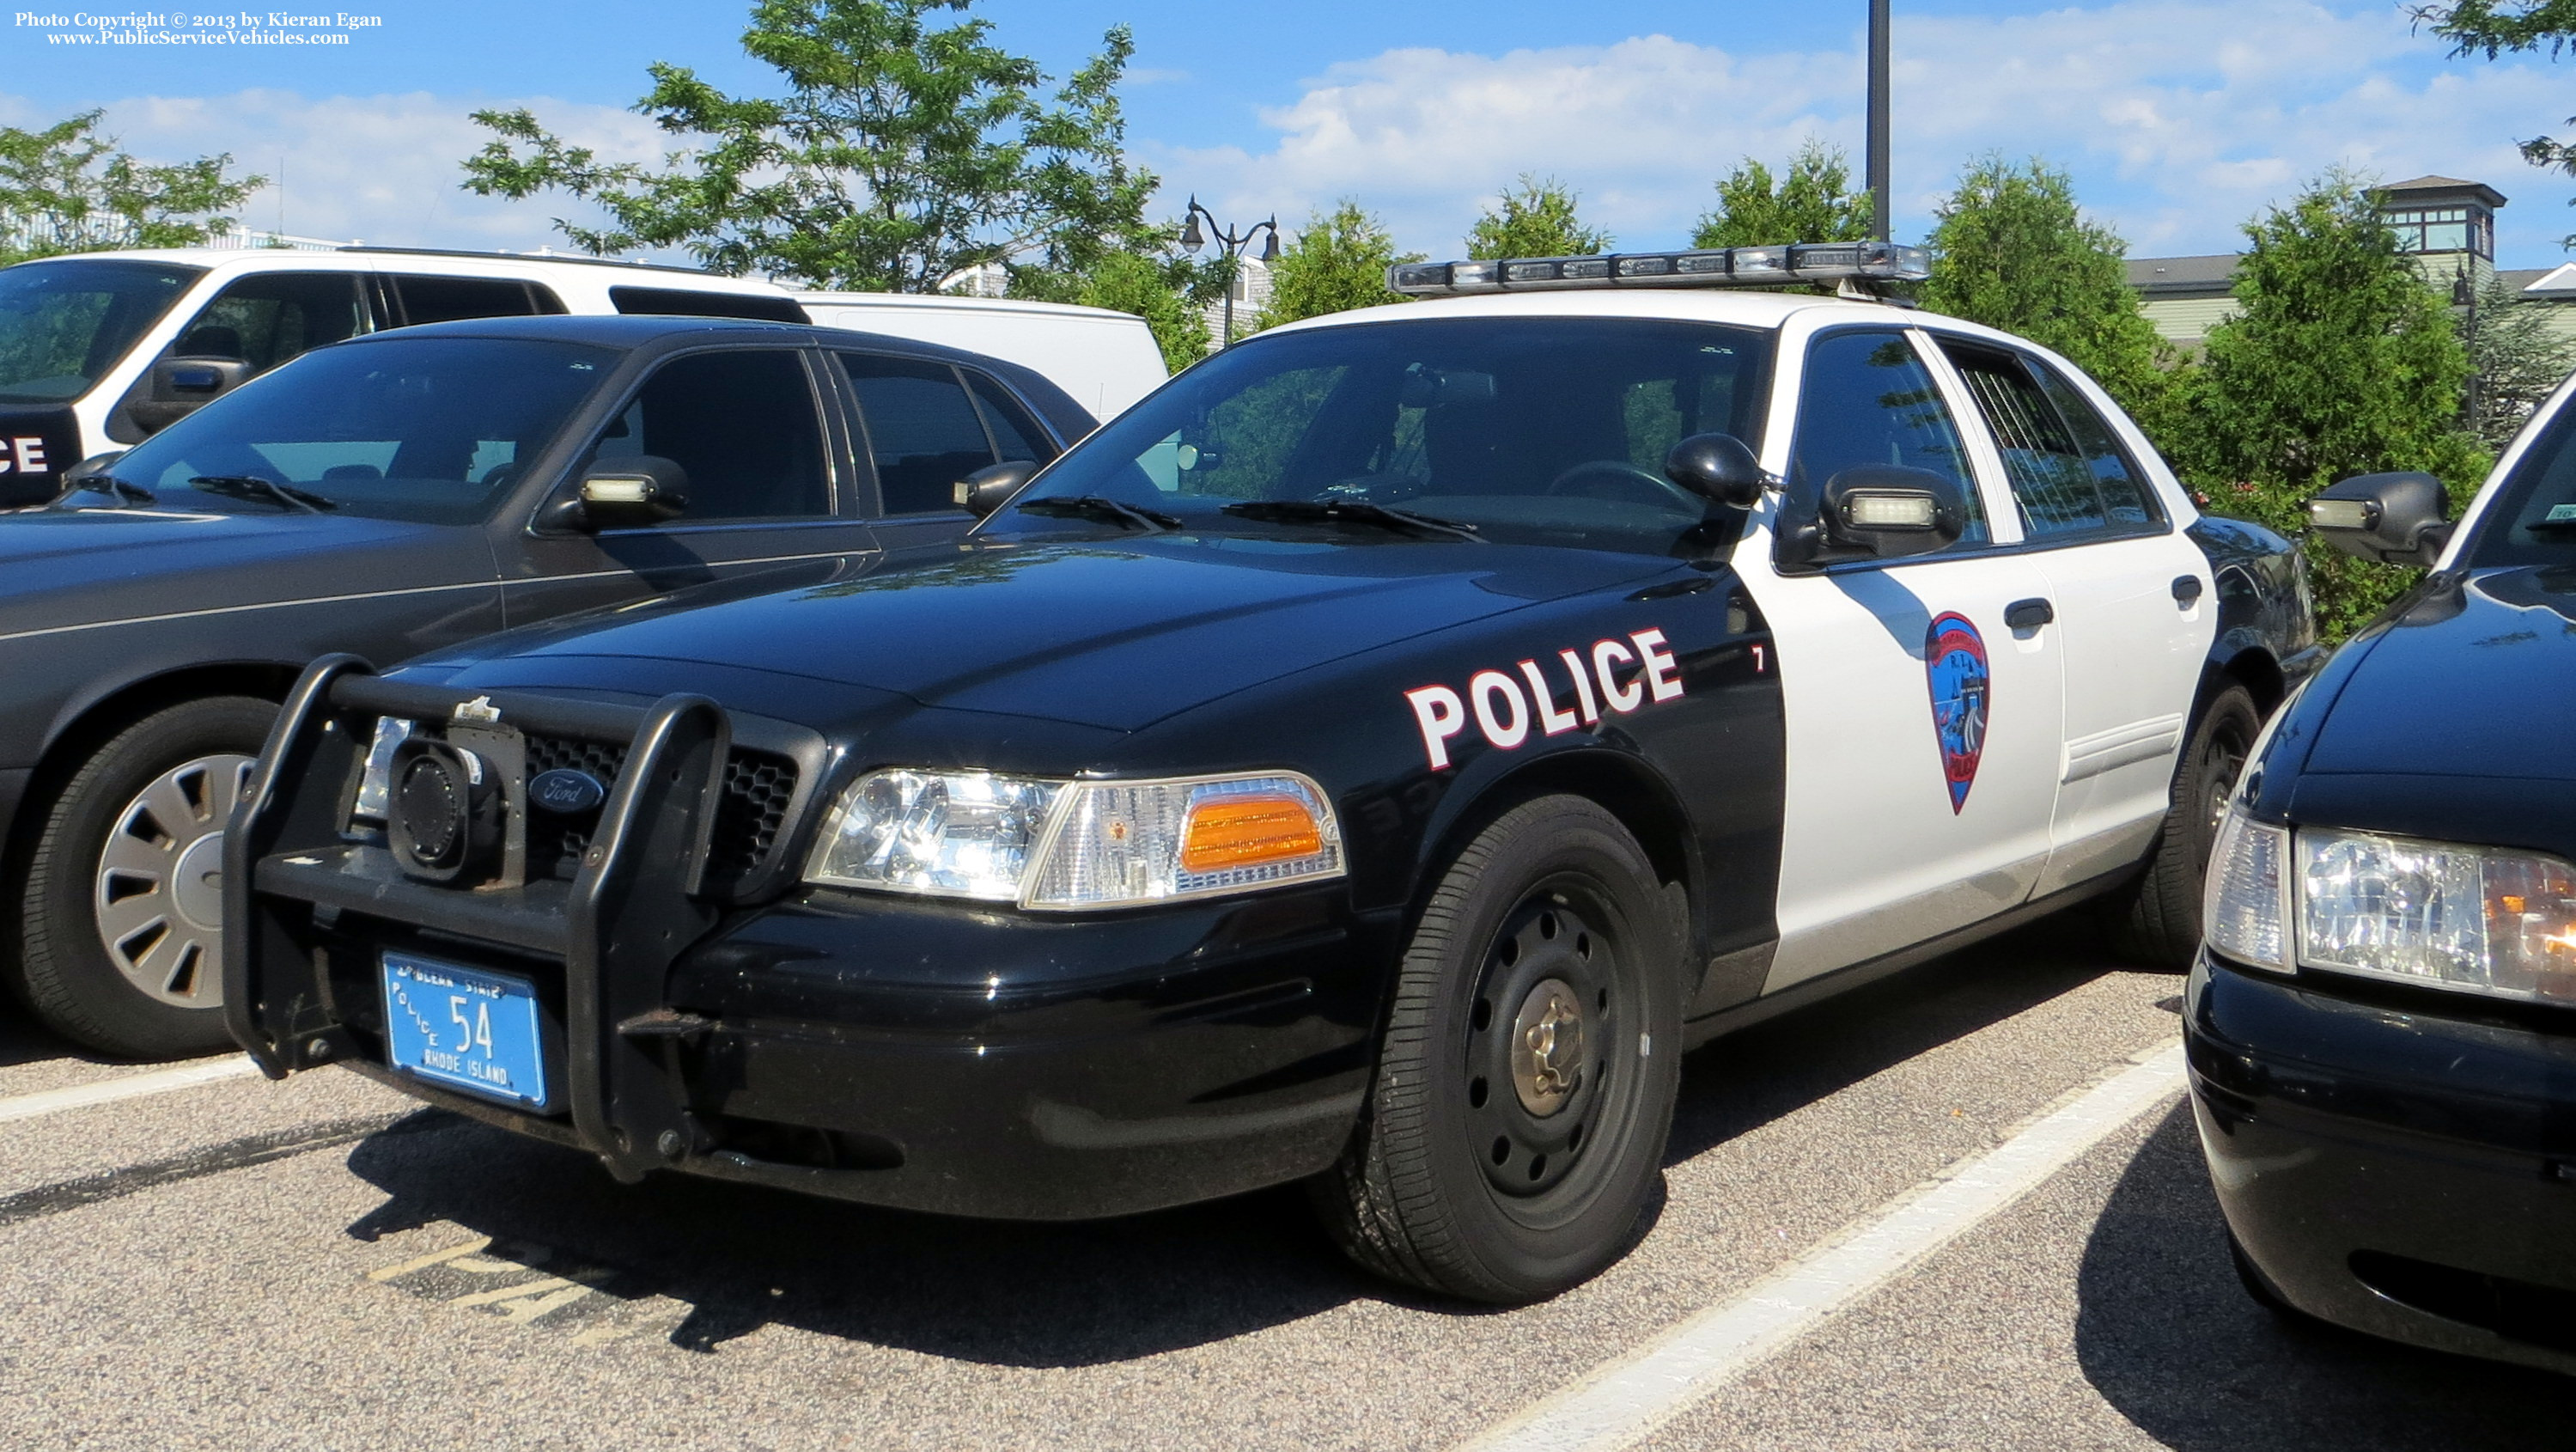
{"type": "Point", "coordinates": [2382, 1030]}
{"type": "Point", "coordinates": [1372, 759]}
{"type": "Point", "coordinates": [391, 494]}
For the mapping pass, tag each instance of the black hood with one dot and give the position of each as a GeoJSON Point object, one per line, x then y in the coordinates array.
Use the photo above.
{"type": "Point", "coordinates": [1114, 634]}
{"type": "Point", "coordinates": [2476, 679]}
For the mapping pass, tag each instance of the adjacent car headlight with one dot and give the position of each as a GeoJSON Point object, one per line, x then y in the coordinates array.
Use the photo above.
{"type": "Point", "coordinates": [2481, 919]}
{"type": "Point", "coordinates": [1062, 845]}
{"type": "Point", "coordinates": [2478, 918]}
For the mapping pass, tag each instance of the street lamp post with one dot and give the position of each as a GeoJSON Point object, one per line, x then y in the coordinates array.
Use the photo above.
{"type": "Point", "coordinates": [1875, 163]}
{"type": "Point", "coordinates": [1232, 247]}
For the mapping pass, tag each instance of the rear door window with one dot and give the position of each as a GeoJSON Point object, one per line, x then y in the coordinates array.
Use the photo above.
{"type": "Point", "coordinates": [924, 432]}
{"type": "Point", "coordinates": [741, 425]}
{"type": "Point", "coordinates": [449, 299]}
{"type": "Point", "coordinates": [1016, 436]}
{"type": "Point", "coordinates": [2069, 478]}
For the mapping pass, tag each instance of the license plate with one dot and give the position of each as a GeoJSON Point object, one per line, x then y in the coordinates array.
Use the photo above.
{"type": "Point", "coordinates": [465, 1028]}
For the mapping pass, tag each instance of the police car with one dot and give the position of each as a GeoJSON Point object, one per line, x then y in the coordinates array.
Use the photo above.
{"type": "Point", "coordinates": [1372, 760]}
{"type": "Point", "coordinates": [2381, 1028]}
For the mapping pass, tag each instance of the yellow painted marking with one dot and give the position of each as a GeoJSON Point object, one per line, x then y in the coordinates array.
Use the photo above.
{"type": "Point", "coordinates": [512, 1293]}
{"type": "Point", "coordinates": [435, 1257]}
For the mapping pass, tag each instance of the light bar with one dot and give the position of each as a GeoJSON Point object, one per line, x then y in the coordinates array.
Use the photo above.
{"type": "Point", "coordinates": [1711, 267]}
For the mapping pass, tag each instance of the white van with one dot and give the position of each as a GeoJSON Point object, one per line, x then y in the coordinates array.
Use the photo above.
{"type": "Point", "coordinates": [101, 350]}
{"type": "Point", "coordinates": [1106, 360]}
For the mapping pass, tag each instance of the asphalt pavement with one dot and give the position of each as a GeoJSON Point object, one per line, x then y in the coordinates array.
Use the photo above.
{"type": "Point", "coordinates": [212, 1260]}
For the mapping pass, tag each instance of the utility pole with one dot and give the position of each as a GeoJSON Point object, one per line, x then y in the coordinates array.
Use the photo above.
{"type": "Point", "coordinates": [1876, 162]}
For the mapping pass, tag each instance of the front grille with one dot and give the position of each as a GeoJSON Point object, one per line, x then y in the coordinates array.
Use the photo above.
{"type": "Point", "coordinates": [758, 786]}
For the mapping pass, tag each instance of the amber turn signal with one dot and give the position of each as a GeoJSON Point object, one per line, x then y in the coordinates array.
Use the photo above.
{"type": "Point", "coordinates": [1248, 831]}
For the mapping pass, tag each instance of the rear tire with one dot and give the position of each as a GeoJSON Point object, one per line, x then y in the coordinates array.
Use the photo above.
{"type": "Point", "coordinates": [1526, 1078]}
{"type": "Point", "coordinates": [119, 947]}
{"type": "Point", "coordinates": [2155, 921]}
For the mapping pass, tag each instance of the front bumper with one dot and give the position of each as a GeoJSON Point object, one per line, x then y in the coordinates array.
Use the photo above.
{"type": "Point", "coordinates": [2401, 1163]}
{"type": "Point", "coordinates": [927, 1055]}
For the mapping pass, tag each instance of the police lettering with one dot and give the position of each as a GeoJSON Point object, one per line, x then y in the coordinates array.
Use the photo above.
{"type": "Point", "coordinates": [1509, 706]}
{"type": "Point", "coordinates": [23, 456]}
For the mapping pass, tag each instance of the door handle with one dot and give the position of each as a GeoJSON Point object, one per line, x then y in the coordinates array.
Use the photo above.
{"type": "Point", "coordinates": [2186, 589]}
{"type": "Point", "coordinates": [2029, 614]}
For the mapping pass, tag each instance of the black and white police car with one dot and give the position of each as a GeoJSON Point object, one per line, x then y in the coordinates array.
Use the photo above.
{"type": "Point", "coordinates": [1371, 760]}
{"type": "Point", "coordinates": [2382, 1030]}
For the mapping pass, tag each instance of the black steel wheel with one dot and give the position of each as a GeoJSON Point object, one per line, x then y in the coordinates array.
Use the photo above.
{"type": "Point", "coordinates": [2156, 919]}
{"type": "Point", "coordinates": [1526, 1079]}
{"type": "Point", "coordinates": [119, 931]}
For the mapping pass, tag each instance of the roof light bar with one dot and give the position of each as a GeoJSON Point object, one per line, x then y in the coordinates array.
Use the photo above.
{"type": "Point", "coordinates": [1711, 267]}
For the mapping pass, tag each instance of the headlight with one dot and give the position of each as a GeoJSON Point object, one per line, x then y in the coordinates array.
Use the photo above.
{"type": "Point", "coordinates": [2476, 918]}
{"type": "Point", "coordinates": [391, 731]}
{"type": "Point", "coordinates": [1075, 844]}
{"type": "Point", "coordinates": [2245, 907]}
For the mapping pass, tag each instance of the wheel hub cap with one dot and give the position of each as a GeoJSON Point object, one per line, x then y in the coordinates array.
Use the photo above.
{"type": "Point", "coordinates": [158, 890]}
{"type": "Point", "coordinates": [1547, 1047]}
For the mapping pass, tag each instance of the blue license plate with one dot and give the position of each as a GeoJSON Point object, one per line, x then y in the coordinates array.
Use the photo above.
{"type": "Point", "coordinates": [465, 1028]}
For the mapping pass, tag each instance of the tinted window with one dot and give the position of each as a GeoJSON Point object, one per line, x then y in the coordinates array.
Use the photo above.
{"type": "Point", "coordinates": [741, 425]}
{"type": "Point", "coordinates": [2532, 519]}
{"type": "Point", "coordinates": [447, 299]}
{"type": "Point", "coordinates": [1015, 434]}
{"type": "Point", "coordinates": [428, 429]}
{"type": "Point", "coordinates": [267, 319]}
{"type": "Point", "coordinates": [690, 303]}
{"type": "Point", "coordinates": [2049, 478]}
{"type": "Point", "coordinates": [1530, 429]}
{"type": "Point", "coordinates": [923, 431]}
{"type": "Point", "coordinates": [62, 324]}
{"type": "Point", "coordinates": [2068, 475]}
{"type": "Point", "coordinates": [1868, 400]}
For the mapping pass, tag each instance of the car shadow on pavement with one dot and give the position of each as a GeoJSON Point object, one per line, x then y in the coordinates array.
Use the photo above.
{"type": "Point", "coordinates": [2170, 1339]}
{"type": "Point", "coordinates": [1739, 1083]}
{"type": "Point", "coordinates": [742, 1257]}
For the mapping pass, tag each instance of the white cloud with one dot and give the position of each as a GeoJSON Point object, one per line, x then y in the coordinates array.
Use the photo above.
{"type": "Point", "coordinates": [2179, 118]}
{"type": "Point", "coordinates": [380, 168]}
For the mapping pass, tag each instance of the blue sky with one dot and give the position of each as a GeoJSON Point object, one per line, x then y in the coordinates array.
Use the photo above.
{"type": "Point", "coordinates": [2178, 118]}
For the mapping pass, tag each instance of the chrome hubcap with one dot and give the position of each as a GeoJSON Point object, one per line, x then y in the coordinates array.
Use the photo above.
{"type": "Point", "coordinates": [159, 890]}
{"type": "Point", "coordinates": [1547, 1047]}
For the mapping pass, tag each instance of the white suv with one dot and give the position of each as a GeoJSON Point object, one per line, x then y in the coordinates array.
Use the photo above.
{"type": "Point", "coordinates": [101, 350]}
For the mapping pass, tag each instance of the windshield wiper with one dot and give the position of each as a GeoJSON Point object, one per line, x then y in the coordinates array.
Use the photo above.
{"type": "Point", "coordinates": [1356, 511]}
{"type": "Point", "coordinates": [124, 491]}
{"type": "Point", "coordinates": [251, 486]}
{"type": "Point", "coordinates": [1101, 507]}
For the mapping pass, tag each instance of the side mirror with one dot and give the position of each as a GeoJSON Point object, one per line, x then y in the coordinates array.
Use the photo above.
{"type": "Point", "coordinates": [92, 467]}
{"type": "Point", "coordinates": [178, 387]}
{"type": "Point", "coordinates": [1873, 512]}
{"type": "Point", "coordinates": [1717, 467]}
{"type": "Point", "coordinates": [635, 492]}
{"type": "Point", "coordinates": [2395, 519]}
{"type": "Point", "coordinates": [985, 490]}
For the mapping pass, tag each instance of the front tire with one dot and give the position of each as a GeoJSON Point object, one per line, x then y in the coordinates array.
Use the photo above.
{"type": "Point", "coordinates": [120, 945]}
{"type": "Point", "coordinates": [1526, 1078]}
{"type": "Point", "coordinates": [2155, 921]}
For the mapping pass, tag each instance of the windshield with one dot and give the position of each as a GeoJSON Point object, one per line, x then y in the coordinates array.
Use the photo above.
{"type": "Point", "coordinates": [432, 430]}
{"type": "Point", "coordinates": [1532, 430]}
{"type": "Point", "coordinates": [62, 324]}
{"type": "Point", "coordinates": [2532, 519]}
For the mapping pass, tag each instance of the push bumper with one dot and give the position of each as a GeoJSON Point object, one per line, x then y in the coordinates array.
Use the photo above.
{"type": "Point", "coordinates": [930, 1056]}
{"type": "Point", "coordinates": [2393, 1164]}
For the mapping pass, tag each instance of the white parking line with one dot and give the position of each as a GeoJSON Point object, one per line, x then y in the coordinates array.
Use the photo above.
{"type": "Point", "coordinates": [1624, 1401]}
{"type": "Point", "coordinates": [131, 1086]}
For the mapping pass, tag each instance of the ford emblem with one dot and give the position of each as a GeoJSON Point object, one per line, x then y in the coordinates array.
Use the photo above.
{"type": "Point", "coordinates": [565, 790]}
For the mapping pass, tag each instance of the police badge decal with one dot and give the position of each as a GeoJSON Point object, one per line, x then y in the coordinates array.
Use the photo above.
{"type": "Point", "coordinates": [1954, 659]}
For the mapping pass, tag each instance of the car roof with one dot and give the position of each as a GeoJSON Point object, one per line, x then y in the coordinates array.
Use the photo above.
{"type": "Point", "coordinates": [1680, 304]}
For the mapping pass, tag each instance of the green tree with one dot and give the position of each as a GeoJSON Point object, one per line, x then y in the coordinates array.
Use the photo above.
{"type": "Point", "coordinates": [1535, 219]}
{"type": "Point", "coordinates": [2340, 362]}
{"type": "Point", "coordinates": [2516, 360]}
{"type": "Point", "coordinates": [1338, 261]}
{"type": "Point", "coordinates": [1812, 201]}
{"type": "Point", "coordinates": [68, 189]}
{"type": "Point", "coordinates": [2011, 251]}
{"type": "Point", "coordinates": [901, 153]}
{"type": "Point", "coordinates": [1163, 290]}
